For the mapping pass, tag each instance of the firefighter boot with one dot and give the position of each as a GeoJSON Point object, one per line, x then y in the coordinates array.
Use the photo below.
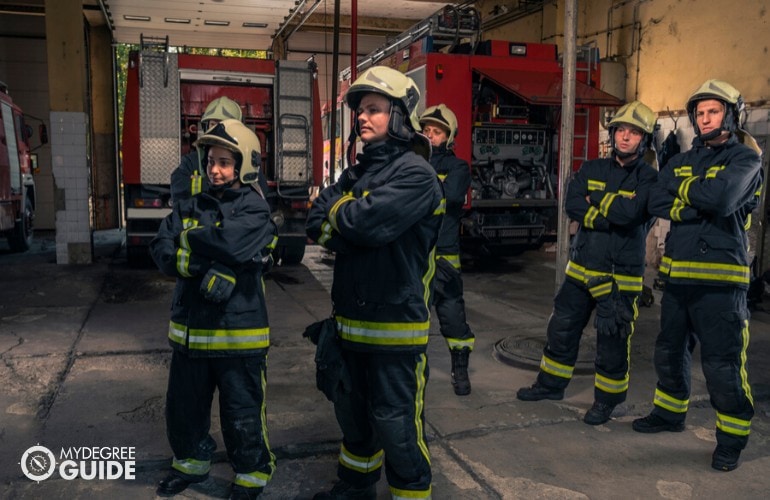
{"type": "Point", "coordinates": [598, 414]}
{"type": "Point", "coordinates": [725, 458]}
{"type": "Point", "coordinates": [343, 490]}
{"type": "Point", "coordinates": [460, 380]}
{"type": "Point", "coordinates": [539, 391]}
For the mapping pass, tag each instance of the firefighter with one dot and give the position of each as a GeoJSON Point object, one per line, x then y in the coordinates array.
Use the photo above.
{"type": "Point", "coordinates": [439, 124]}
{"type": "Point", "coordinates": [707, 193]}
{"type": "Point", "coordinates": [608, 198]}
{"type": "Point", "coordinates": [213, 243]}
{"type": "Point", "coordinates": [382, 218]}
{"type": "Point", "coordinates": [189, 178]}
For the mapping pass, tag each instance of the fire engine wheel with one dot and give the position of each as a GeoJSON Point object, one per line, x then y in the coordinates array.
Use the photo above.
{"type": "Point", "coordinates": [290, 255]}
{"type": "Point", "coordinates": [20, 238]}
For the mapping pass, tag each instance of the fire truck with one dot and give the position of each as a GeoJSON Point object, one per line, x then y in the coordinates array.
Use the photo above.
{"type": "Point", "coordinates": [166, 95]}
{"type": "Point", "coordinates": [507, 97]}
{"type": "Point", "coordinates": [17, 187]}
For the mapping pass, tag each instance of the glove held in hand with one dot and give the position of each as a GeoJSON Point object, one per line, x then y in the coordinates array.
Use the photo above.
{"type": "Point", "coordinates": [218, 283]}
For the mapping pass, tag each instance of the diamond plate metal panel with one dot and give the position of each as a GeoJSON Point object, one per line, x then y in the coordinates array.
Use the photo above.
{"type": "Point", "coordinates": [159, 117]}
{"type": "Point", "coordinates": [294, 113]}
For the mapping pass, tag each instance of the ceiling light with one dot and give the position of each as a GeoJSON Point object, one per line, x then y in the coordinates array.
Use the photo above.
{"type": "Point", "coordinates": [136, 18]}
{"type": "Point", "coordinates": [177, 20]}
{"type": "Point", "coordinates": [216, 23]}
{"type": "Point", "coordinates": [254, 25]}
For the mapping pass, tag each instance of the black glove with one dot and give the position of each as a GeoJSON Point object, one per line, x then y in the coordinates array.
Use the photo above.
{"type": "Point", "coordinates": [218, 283]}
{"type": "Point", "coordinates": [603, 289]}
{"type": "Point", "coordinates": [624, 314]}
{"type": "Point", "coordinates": [332, 375]}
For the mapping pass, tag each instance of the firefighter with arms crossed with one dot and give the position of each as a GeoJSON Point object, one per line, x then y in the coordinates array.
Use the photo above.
{"type": "Point", "coordinates": [439, 124]}
{"type": "Point", "coordinates": [213, 243]}
{"type": "Point", "coordinates": [608, 198]}
{"type": "Point", "coordinates": [707, 193]}
{"type": "Point", "coordinates": [382, 218]}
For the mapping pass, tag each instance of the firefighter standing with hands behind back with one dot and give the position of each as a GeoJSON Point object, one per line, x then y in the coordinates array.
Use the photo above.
{"type": "Point", "coordinates": [214, 243]}
{"type": "Point", "coordinates": [608, 198]}
{"type": "Point", "coordinates": [439, 124]}
{"type": "Point", "coordinates": [708, 193]}
{"type": "Point", "coordinates": [382, 218]}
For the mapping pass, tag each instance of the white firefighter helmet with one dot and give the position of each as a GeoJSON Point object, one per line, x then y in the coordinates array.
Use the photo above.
{"type": "Point", "coordinates": [638, 115]}
{"type": "Point", "coordinates": [221, 108]}
{"type": "Point", "coordinates": [727, 95]}
{"type": "Point", "coordinates": [233, 135]}
{"type": "Point", "coordinates": [442, 116]}
{"type": "Point", "coordinates": [397, 88]}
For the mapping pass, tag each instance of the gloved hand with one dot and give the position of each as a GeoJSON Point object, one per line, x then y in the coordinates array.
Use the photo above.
{"type": "Point", "coordinates": [267, 263]}
{"type": "Point", "coordinates": [603, 289]}
{"type": "Point", "coordinates": [624, 314]}
{"type": "Point", "coordinates": [332, 375]}
{"type": "Point", "coordinates": [218, 283]}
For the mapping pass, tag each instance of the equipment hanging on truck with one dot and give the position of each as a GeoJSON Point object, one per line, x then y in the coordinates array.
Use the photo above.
{"type": "Point", "coordinates": [166, 95]}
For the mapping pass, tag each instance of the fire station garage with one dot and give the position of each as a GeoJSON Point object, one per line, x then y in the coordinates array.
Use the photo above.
{"type": "Point", "coordinates": [104, 97]}
{"type": "Point", "coordinates": [70, 79]}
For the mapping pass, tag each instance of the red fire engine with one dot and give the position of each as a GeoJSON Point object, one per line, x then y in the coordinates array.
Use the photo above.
{"type": "Point", "coordinates": [17, 187]}
{"type": "Point", "coordinates": [166, 95]}
{"type": "Point", "coordinates": [507, 98]}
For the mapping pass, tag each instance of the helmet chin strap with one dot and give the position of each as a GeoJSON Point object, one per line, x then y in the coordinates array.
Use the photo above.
{"type": "Point", "coordinates": [711, 135]}
{"type": "Point", "coordinates": [626, 156]}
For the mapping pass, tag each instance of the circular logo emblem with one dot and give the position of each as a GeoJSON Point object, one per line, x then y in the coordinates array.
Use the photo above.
{"type": "Point", "coordinates": [38, 463]}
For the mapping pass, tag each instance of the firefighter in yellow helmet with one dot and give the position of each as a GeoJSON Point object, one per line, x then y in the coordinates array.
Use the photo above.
{"type": "Point", "coordinates": [608, 198]}
{"type": "Point", "coordinates": [381, 218]}
{"type": "Point", "coordinates": [708, 194]}
{"type": "Point", "coordinates": [214, 243]}
{"type": "Point", "coordinates": [189, 178]}
{"type": "Point", "coordinates": [439, 124]}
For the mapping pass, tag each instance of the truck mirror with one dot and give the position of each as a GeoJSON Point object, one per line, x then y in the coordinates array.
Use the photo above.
{"type": "Point", "coordinates": [43, 131]}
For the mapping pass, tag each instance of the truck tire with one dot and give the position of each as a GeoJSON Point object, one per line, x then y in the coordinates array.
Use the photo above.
{"type": "Point", "coordinates": [20, 237]}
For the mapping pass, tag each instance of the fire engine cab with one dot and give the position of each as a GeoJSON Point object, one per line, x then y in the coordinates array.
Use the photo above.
{"type": "Point", "coordinates": [507, 99]}
{"type": "Point", "coordinates": [166, 95]}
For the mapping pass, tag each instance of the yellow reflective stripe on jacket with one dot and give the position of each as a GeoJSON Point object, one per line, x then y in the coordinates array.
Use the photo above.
{"type": "Point", "coordinates": [428, 277]}
{"type": "Point", "coordinates": [241, 339]}
{"type": "Point", "coordinates": [196, 183]}
{"type": "Point", "coordinates": [333, 212]}
{"type": "Point", "coordinates": [711, 271]}
{"type": "Point", "coordinates": [601, 289]}
{"type": "Point", "coordinates": [441, 208]}
{"type": "Point", "coordinates": [191, 466]}
{"type": "Point", "coordinates": [732, 425]}
{"type": "Point", "coordinates": [683, 171]}
{"type": "Point", "coordinates": [594, 185]}
{"type": "Point", "coordinates": [590, 217]}
{"type": "Point", "coordinates": [453, 259]}
{"type": "Point", "coordinates": [670, 403]}
{"type": "Point", "coordinates": [360, 464]}
{"type": "Point", "coordinates": [676, 210]}
{"type": "Point", "coordinates": [713, 171]}
{"type": "Point", "coordinates": [397, 494]}
{"type": "Point", "coordinates": [626, 283]}
{"type": "Point", "coordinates": [607, 199]}
{"type": "Point", "coordinates": [183, 262]}
{"type": "Point", "coordinates": [189, 223]}
{"type": "Point", "coordinates": [273, 243]}
{"type": "Point", "coordinates": [612, 386]}
{"type": "Point", "coordinates": [684, 189]}
{"type": "Point", "coordinates": [442, 177]}
{"type": "Point", "coordinates": [555, 368]}
{"type": "Point", "coordinates": [383, 334]}
{"type": "Point", "coordinates": [747, 225]}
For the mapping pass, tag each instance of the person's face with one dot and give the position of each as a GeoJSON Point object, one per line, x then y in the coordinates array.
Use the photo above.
{"type": "Point", "coordinates": [627, 138]}
{"type": "Point", "coordinates": [436, 133]}
{"type": "Point", "coordinates": [373, 114]}
{"type": "Point", "coordinates": [709, 115]}
{"type": "Point", "coordinates": [221, 166]}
